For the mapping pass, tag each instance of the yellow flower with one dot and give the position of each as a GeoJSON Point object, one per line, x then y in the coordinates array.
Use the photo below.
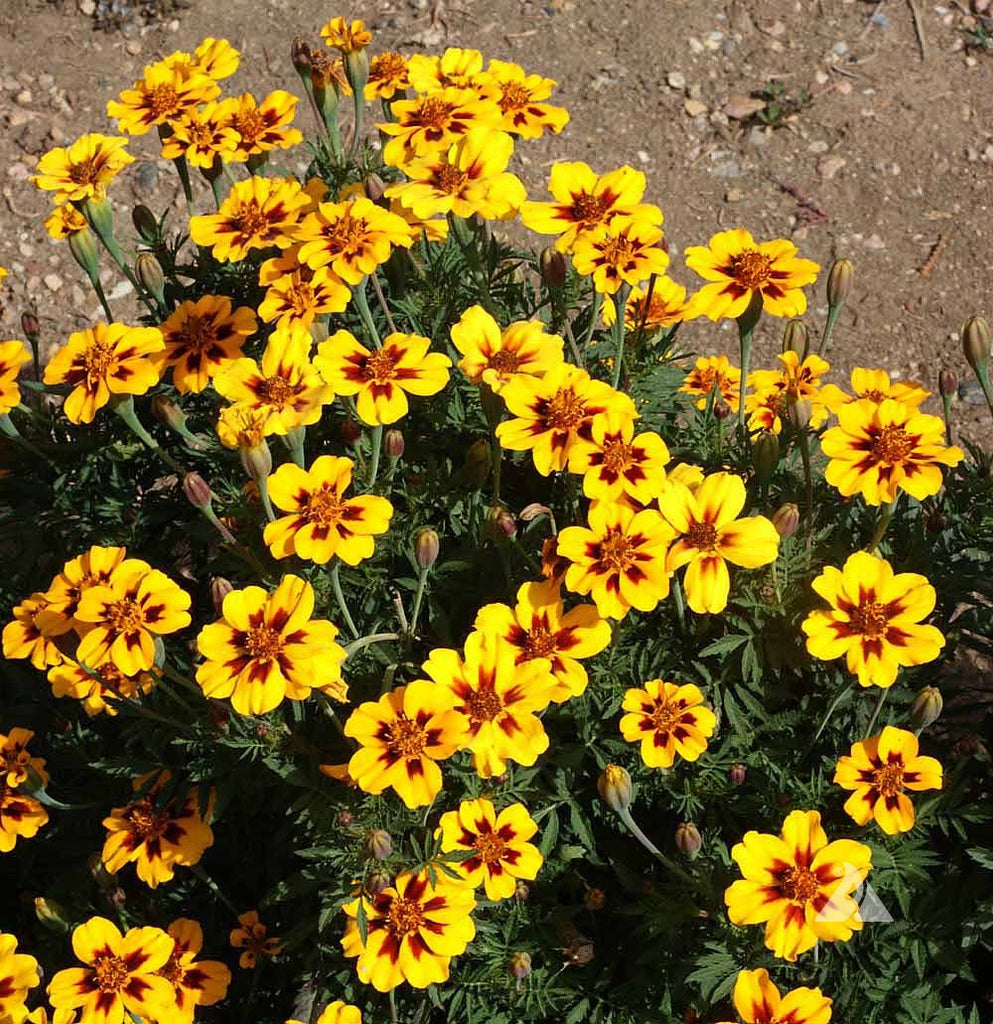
{"type": "Point", "coordinates": [712, 372]}
{"type": "Point", "coordinates": [32, 633]}
{"type": "Point", "coordinates": [264, 126]}
{"type": "Point", "coordinates": [286, 385]}
{"type": "Point", "coordinates": [402, 737]}
{"type": "Point", "coordinates": [194, 982]}
{"type": "Point", "coordinates": [252, 937]}
{"type": "Point", "coordinates": [266, 648]}
{"type": "Point", "coordinates": [494, 357]}
{"type": "Point", "coordinates": [667, 719]}
{"type": "Point", "coordinates": [322, 522]}
{"type": "Point", "coordinates": [336, 1013]}
{"type": "Point", "coordinates": [202, 339]}
{"type": "Point", "coordinates": [540, 627]}
{"type": "Point", "coordinates": [879, 450]}
{"type": "Point", "coordinates": [214, 57]}
{"type": "Point", "coordinates": [84, 169]}
{"type": "Point", "coordinates": [737, 267]}
{"type": "Point", "coordinates": [349, 38]}
{"type": "Point", "coordinates": [799, 884]}
{"type": "Point", "coordinates": [585, 201]}
{"type": "Point", "coordinates": [65, 221]}
{"type": "Point", "coordinates": [382, 378]}
{"type": "Point", "coordinates": [20, 817]}
{"type": "Point", "coordinates": [617, 465]}
{"type": "Point", "coordinates": [774, 390]}
{"type": "Point", "coordinates": [469, 177]}
{"type": "Point", "coordinates": [162, 96]}
{"type": "Point", "coordinates": [502, 851]}
{"type": "Point", "coordinates": [552, 412]}
{"type": "Point", "coordinates": [875, 386]}
{"type": "Point", "coordinates": [99, 689]}
{"type": "Point", "coordinates": [710, 534]}
{"type": "Point", "coordinates": [18, 974]}
{"type": "Point", "coordinates": [387, 76]}
{"type": "Point", "coordinates": [121, 974]}
{"type": "Point", "coordinates": [200, 134]}
{"type": "Point", "coordinates": [351, 238]}
{"type": "Point", "coordinates": [413, 929]}
{"type": "Point", "coordinates": [433, 230]}
{"type": "Point", "coordinates": [619, 558]}
{"type": "Point", "coordinates": [461, 69]}
{"type": "Point", "coordinates": [257, 213]}
{"type": "Point", "coordinates": [156, 834]}
{"type": "Point", "coordinates": [135, 605]}
{"type": "Point", "coordinates": [877, 770]}
{"type": "Point", "coordinates": [664, 307]}
{"type": "Point", "coordinates": [522, 99]}
{"type": "Point", "coordinates": [13, 355]}
{"type": "Point", "coordinates": [498, 700]}
{"type": "Point", "coordinates": [105, 360]}
{"type": "Point", "coordinates": [624, 252]}
{"type": "Point", "coordinates": [295, 294]}
{"type": "Point", "coordinates": [873, 620]}
{"type": "Point", "coordinates": [243, 426]}
{"type": "Point", "coordinates": [16, 764]}
{"type": "Point", "coordinates": [758, 1001]}
{"type": "Point", "coordinates": [90, 569]}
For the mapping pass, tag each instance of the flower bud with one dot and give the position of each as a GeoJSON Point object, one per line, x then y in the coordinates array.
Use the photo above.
{"type": "Point", "coordinates": [947, 383]}
{"type": "Point", "coordinates": [83, 247]}
{"type": "Point", "coordinates": [393, 443]}
{"type": "Point", "coordinates": [504, 522]}
{"type": "Point", "coordinates": [478, 462]}
{"type": "Point", "coordinates": [796, 338]}
{"type": "Point", "coordinates": [300, 55]}
{"type": "Point", "coordinates": [197, 490]}
{"type": "Point", "coordinates": [925, 709]}
{"type": "Point", "coordinates": [786, 519]}
{"type": "Point", "coordinates": [521, 891]}
{"type": "Point", "coordinates": [426, 547]}
{"type": "Point", "coordinates": [688, 839]}
{"type": "Point", "coordinates": [765, 456]}
{"type": "Point", "coordinates": [721, 410]}
{"type": "Point", "coordinates": [351, 430]}
{"type": "Point", "coordinates": [520, 965]}
{"type": "Point", "coordinates": [595, 899]}
{"type": "Point", "coordinates": [30, 325]}
{"type": "Point", "coordinates": [378, 844]}
{"type": "Point", "coordinates": [841, 276]}
{"type": "Point", "coordinates": [100, 874]}
{"type": "Point", "coordinates": [375, 189]}
{"type": "Point", "coordinates": [145, 224]}
{"type": "Point", "coordinates": [553, 267]}
{"type": "Point", "coordinates": [219, 589]}
{"type": "Point", "coordinates": [52, 915]}
{"type": "Point", "coordinates": [219, 716]}
{"type": "Point", "coordinates": [976, 344]}
{"type": "Point", "coordinates": [257, 461]}
{"type": "Point", "coordinates": [318, 332]}
{"type": "Point", "coordinates": [344, 818]}
{"type": "Point", "coordinates": [737, 774]}
{"type": "Point", "coordinates": [377, 880]}
{"type": "Point", "coordinates": [615, 788]}
{"type": "Point", "coordinates": [150, 275]}
{"type": "Point", "coordinates": [800, 413]}
{"type": "Point", "coordinates": [169, 414]}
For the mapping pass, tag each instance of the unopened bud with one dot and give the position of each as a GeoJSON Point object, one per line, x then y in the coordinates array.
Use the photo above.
{"type": "Point", "coordinates": [800, 413]}
{"type": "Point", "coordinates": [426, 547]}
{"type": "Point", "coordinates": [925, 709]}
{"type": "Point", "coordinates": [30, 325]}
{"type": "Point", "coordinates": [375, 189]}
{"type": "Point", "coordinates": [521, 891]}
{"type": "Point", "coordinates": [376, 881]}
{"type": "Point", "coordinates": [351, 430]}
{"type": "Point", "coordinates": [52, 915]}
{"type": "Point", "coordinates": [100, 874]}
{"type": "Point", "coordinates": [478, 462]}
{"type": "Point", "coordinates": [796, 338]}
{"type": "Point", "coordinates": [595, 899]}
{"type": "Point", "coordinates": [976, 345]}
{"type": "Point", "coordinates": [786, 519]}
{"type": "Point", "coordinates": [145, 224]}
{"type": "Point", "coordinates": [553, 267]}
{"type": "Point", "coordinates": [504, 522]}
{"type": "Point", "coordinates": [947, 383]}
{"type": "Point", "coordinates": [721, 409]}
{"type": "Point", "coordinates": [378, 844]}
{"type": "Point", "coordinates": [83, 247]}
{"type": "Point", "coordinates": [344, 818]}
{"type": "Point", "coordinates": [197, 490]}
{"type": "Point", "coordinates": [300, 55]}
{"type": "Point", "coordinates": [615, 788]}
{"type": "Point", "coordinates": [737, 774]}
{"type": "Point", "coordinates": [150, 275]}
{"type": "Point", "coordinates": [688, 838]}
{"type": "Point", "coordinates": [765, 456]}
{"type": "Point", "coordinates": [318, 332]}
{"type": "Point", "coordinates": [393, 443]}
{"type": "Point", "coordinates": [219, 589]}
{"type": "Point", "coordinates": [520, 965]}
{"type": "Point", "coordinates": [169, 414]}
{"type": "Point", "coordinates": [257, 461]}
{"type": "Point", "coordinates": [841, 276]}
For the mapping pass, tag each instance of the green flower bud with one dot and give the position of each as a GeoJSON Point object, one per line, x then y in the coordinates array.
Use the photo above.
{"type": "Point", "coordinates": [615, 787]}
{"type": "Point", "coordinates": [378, 844]}
{"type": "Point", "coordinates": [976, 345]}
{"type": "Point", "coordinates": [796, 338]}
{"type": "Point", "coordinates": [426, 547]}
{"type": "Point", "coordinates": [839, 283]}
{"type": "Point", "coordinates": [520, 965]}
{"type": "Point", "coordinates": [688, 839]}
{"type": "Point", "coordinates": [925, 709]}
{"type": "Point", "coordinates": [786, 519]}
{"type": "Point", "coordinates": [52, 915]}
{"type": "Point", "coordinates": [765, 456]}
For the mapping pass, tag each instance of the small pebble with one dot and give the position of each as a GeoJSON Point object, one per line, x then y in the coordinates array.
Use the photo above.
{"type": "Point", "coordinates": [53, 282]}
{"type": "Point", "coordinates": [676, 80]}
{"type": "Point", "coordinates": [23, 98]}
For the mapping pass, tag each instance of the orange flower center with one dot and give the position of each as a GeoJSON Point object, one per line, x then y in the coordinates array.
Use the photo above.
{"type": "Point", "coordinates": [125, 616]}
{"type": "Point", "coordinates": [588, 209]}
{"type": "Point", "coordinates": [250, 220]}
{"type": "Point", "coordinates": [200, 134]}
{"type": "Point", "coordinates": [565, 410]}
{"type": "Point", "coordinates": [874, 395]}
{"type": "Point", "coordinates": [450, 180]}
{"type": "Point", "coordinates": [98, 358]}
{"type": "Point", "coordinates": [888, 779]}
{"type": "Point", "coordinates": [197, 333]}
{"type": "Point", "coordinates": [433, 113]}
{"type": "Point", "coordinates": [893, 444]}
{"type": "Point", "coordinates": [483, 705]}
{"type": "Point", "coordinates": [750, 268]}
{"type": "Point", "coordinates": [406, 737]}
{"type": "Point", "coordinates": [299, 297]}
{"type": "Point", "coordinates": [142, 821]}
{"type": "Point", "coordinates": [490, 846]}
{"type": "Point", "coordinates": [112, 973]}
{"type": "Point", "coordinates": [380, 367]}
{"type": "Point", "coordinates": [870, 619]}
{"type": "Point", "coordinates": [616, 455]}
{"type": "Point", "coordinates": [347, 234]}
{"type": "Point", "coordinates": [616, 252]}
{"type": "Point", "coordinates": [798, 884]}
{"type": "Point", "coordinates": [504, 361]}
{"type": "Point", "coordinates": [664, 717]}
{"type": "Point", "coordinates": [263, 643]}
{"type": "Point", "coordinates": [173, 970]}
{"type": "Point", "coordinates": [615, 550]}
{"type": "Point", "coordinates": [14, 760]}
{"type": "Point", "coordinates": [387, 66]}
{"type": "Point", "coordinates": [83, 174]}
{"type": "Point", "coordinates": [276, 391]}
{"type": "Point", "coordinates": [249, 124]}
{"type": "Point", "coordinates": [324, 507]}
{"type": "Point", "coordinates": [702, 536]}
{"type": "Point", "coordinates": [515, 96]}
{"type": "Point", "coordinates": [404, 916]}
{"type": "Point", "coordinates": [539, 643]}
{"type": "Point", "coordinates": [162, 100]}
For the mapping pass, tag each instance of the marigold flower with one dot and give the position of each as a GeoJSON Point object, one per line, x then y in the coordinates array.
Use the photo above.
{"type": "Point", "coordinates": [351, 238]}
{"type": "Point", "coordinates": [92, 568]}
{"type": "Point", "coordinates": [879, 450]}
{"type": "Point", "coordinates": [874, 619]}
{"type": "Point", "coordinates": [13, 355]}
{"type": "Point", "coordinates": [18, 974]}
{"type": "Point", "coordinates": [156, 835]}
{"type": "Point", "coordinates": [774, 391]}
{"type": "Point", "coordinates": [245, 427]}
{"type": "Point", "coordinates": [619, 558]}
{"type": "Point", "coordinates": [502, 851]}
{"type": "Point", "coordinates": [65, 221]}
{"type": "Point", "coordinates": [84, 169]}
{"type": "Point", "coordinates": [257, 213]}
{"type": "Point", "coordinates": [664, 307]}
{"type": "Point", "coordinates": [337, 1013]}
{"type": "Point", "coordinates": [402, 736]}
{"type": "Point", "coordinates": [737, 267]}
{"type": "Point", "coordinates": [323, 523]}
{"type": "Point", "coordinates": [667, 719]}
{"type": "Point", "coordinates": [254, 940]}
{"type": "Point", "coordinates": [99, 689]}
{"type": "Point", "coordinates": [521, 101]}
{"type": "Point", "coordinates": [121, 974]}
{"type": "Point", "coordinates": [124, 614]}
{"type": "Point", "coordinates": [538, 626]}
{"type": "Point", "coordinates": [267, 648]}
{"type": "Point", "coordinates": [194, 982]}
{"type": "Point", "coordinates": [202, 339]}
{"type": "Point", "coordinates": [286, 386]}
{"type": "Point", "coordinates": [33, 631]}
{"type": "Point", "coordinates": [21, 816]}
{"type": "Point", "coordinates": [16, 764]}
{"type": "Point", "coordinates": [877, 770]}
{"type": "Point", "coordinates": [382, 378]}
{"type": "Point", "coordinates": [387, 76]}
{"type": "Point", "coordinates": [625, 251]}
{"type": "Point", "coordinates": [758, 1001]}
{"type": "Point", "coordinates": [163, 95]}
{"type": "Point", "coordinates": [435, 230]}
{"type": "Point", "coordinates": [296, 294]}
{"type": "Point", "coordinates": [554, 411]}
{"type": "Point", "coordinates": [585, 201]}
{"type": "Point", "coordinates": [214, 57]}
{"type": "Point", "coordinates": [713, 375]}
{"type": "Point", "coordinates": [455, 68]}
{"type": "Point", "coordinates": [494, 357]}
{"type": "Point", "coordinates": [617, 465]}
{"type": "Point", "coordinates": [414, 928]}
{"type": "Point", "coordinates": [710, 534]}
{"type": "Point", "coordinates": [200, 135]}
{"type": "Point", "coordinates": [349, 38]}
{"type": "Point", "coordinates": [799, 884]}
{"type": "Point", "coordinates": [105, 360]}
{"type": "Point", "coordinates": [261, 126]}
{"type": "Point", "coordinates": [875, 386]}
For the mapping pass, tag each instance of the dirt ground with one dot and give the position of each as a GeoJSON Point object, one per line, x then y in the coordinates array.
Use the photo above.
{"type": "Point", "coordinates": [889, 159]}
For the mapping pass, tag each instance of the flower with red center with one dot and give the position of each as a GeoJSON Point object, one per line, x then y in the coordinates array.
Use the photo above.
{"type": "Point", "coordinates": [161, 97]}
{"type": "Point", "coordinates": [798, 884]}
{"type": "Point", "coordinates": [90, 569]}
{"type": "Point", "coordinates": [21, 816]}
{"type": "Point", "coordinates": [16, 764]}
{"type": "Point", "coordinates": [624, 252]}
{"type": "Point", "coordinates": [616, 465]}
{"type": "Point", "coordinates": [266, 647]}
{"type": "Point", "coordinates": [402, 737]}
{"type": "Point", "coordinates": [879, 450]}
{"type": "Point", "coordinates": [102, 361]}
{"type": "Point", "coordinates": [713, 375]}
{"type": "Point", "coordinates": [758, 1001]}
{"type": "Point", "coordinates": [194, 982]}
{"type": "Point", "coordinates": [65, 221]}
{"type": "Point", "coordinates": [201, 135]}
{"type": "Point", "coordinates": [501, 852]}
{"type": "Point", "coordinates": [323, 523]}
{"type": "Point", "coordinates": [876, 386]}
{"type": "Point", "coordinates": [619, 558]}
{"type": "Point", "coordinates": [84, 169]}
{"type": "Point", "coordinates": [13, 355]}
{"type": "Point", "coordinates": [413, 928]}
{"type": "Point", "coordinates": [346, 37]}
{"type": "Point", "coordinates": [652, 308]}
{"type": "Point", "coordinates": [456, 67]}
{"type": "Point", "coordinates": [667, 719]}
{"type": "Point", "coordinates": [738, 267]}
{"type": "Point", "coordinates": [296, 294]}
{"type": "Point", "coordinates": [877, 770]}
{"type": "Point", "coordinates": [214, 57]}
{"type": "Point", "coordinates": [522, 101]}
{"type": "Point", "coordinates": [18, 974]}
{"type": "Point", "coordinates": [202, 338]}
{"type": "Point", "coordinates": [261, 126]}
{"type": "Point", "coordinates": [381, 378]}
{"type": "Point", "coordinates": [99, 689]}
{"type": "Point", "coordinates": [254, 940]}
{"type": "Point", "coordinates": [33, 633]}
{"type": "Point", "coordinates": [773, 391]}
{"type": "Point", "coordinates": [387, 76]}
{"type": "Point", "coordinates": [538, 626]}
{"type": "Point", "coordinates": [874, 619]}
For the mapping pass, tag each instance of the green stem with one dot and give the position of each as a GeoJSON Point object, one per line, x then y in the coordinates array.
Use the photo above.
{"type": "Point", "coordinates": [125, 409]}
{"type": "Point", "coordinates": [365, 641]}
{"type": "Point", "coordinates": [393, 1007]}
{"type": "Point", "coordinates": [830, 711]}
{"type": "Point", "coordinates": [117, 255]}
{"type": "Point", "coordinates": [625, 815]}
{"type": "Point", "coordinates": [880, 701]}
{"type": "Point", "coordinates": [422, 579]}
{"type": "Point", "coordinates": [594, 319]}
{"type": "Point", "coordinates": [832, 318]}
{"type": "Point", "coordinates": [808, 484]}
{"type": "Point", "coordinates": [362, 304]}
{"type": "Point", "coordinates": [883, 518]}
{"type": "Point", "coordinates": [983, 376]}
{"type": "Point", "coordinates": [946, 404]}
{"type": "Point", "coordinates": [9, 430]}
{"type": "Point", "coordinates": [295, 444]}
{"type": "Point", "coordinates": [214, 888]}
{"type": "Point", "coordinates": [468, 245]}
{"type": "Point", "coordinates": [182, 168]}
{"type": "Point", "coordinates": [377, 448]}
{"type": "Point", "coordinates": [340, 598]}
{"type": "Point", "coordinates": [621, 302]}
{"type": "Point", "coordinates": [101, 295]}
{"type": "Point", "coordinates": [378, 289]}
{"type": "Point", "coordinates": [679, 601]}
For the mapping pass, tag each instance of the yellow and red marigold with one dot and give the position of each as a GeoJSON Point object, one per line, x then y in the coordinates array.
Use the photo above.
{"type": "Point", "coordinates": [667, 719]}
{"type": "Point", "coordinates": [758, 1001]}
{"type": "Point", "coordinates": [253, 939]}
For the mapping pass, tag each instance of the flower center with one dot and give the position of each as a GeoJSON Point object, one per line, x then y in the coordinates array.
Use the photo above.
{"type": "Point", "coordinates": [250, 220]}
{"type": "Point", "coordinates": [380, 367]}
{"type": "Point", "coordinates": [798, 884]}
{"type": "Point", "coordinates": [249, 124]}
{"type": "Point", "coordinates": [347, 234]}
{"type": "Point", "coordinates": [538, 643]}
{"type": "Point", "coordinates": [515, 96]}
{"type": "Point", "coordinates": [588, 209]}
{"type": "Point", "coordinates": [874, 395]}
{"type": "Point", "coordinates": [616, 455]}
{"type": "Point", "coordinates": [112, 973]}
{"type": "Point", "coordinates": [893, 444]}
{"type": "Point", "coordinates": [98, 359]}
{"type": "Point", "coordinates": [406, 737]}
{"type": "Point", "coordinates": [870, 619]}
{"type": "Point", "coordinates": [173, 970]}
{"type": "Point", "coordinates": [490, 846]}
{"type": "Point", "coordinates": [888, 779]}
{"type": "Point", "coordinates": [276, 391]}
{"type": "Point", "coordinates": [125, 616]}
{"type": "Point", "coordinates": [664, 718]}
{"type": "Point", "coordinates": [82, 174]}
{"type": "Point", "coordinates": [450, 180]}
{"type": "Point", "coordinates": [615, 550]}
{"type": "Point", "coordinates": [433, 113]}
{"type": "Point", "coordinates": [617, 252]}
{"type": "Point", "coordinates": [263, 643]}
{"type": "Point", "coordinates": [300, 296]}
{"type": "Point", "coordinates": [751, 269]}
{"type": "Point", "coordinates": [387, 66]}
{"type": "Point", "coordinates": [142, 822]}
{"type": "Point", "coordinates": [404, 916]}
{"type": "Point", "coordinates": [324, 507]}
{"type": "Point", "coordinates": [200, 134]}
{"type": "Point", "coordinates": [197, 333]}
{"type": "Point", "coordinates": [484, 705]}
{"type": "Point", "coordinates": [162, 100]}
{"type": "Point", "coordinates": [565, 410]}
{"type": "Point", "coordinates": [702, 536]}
{"type": "Point", "coordinates": [505, 361]}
